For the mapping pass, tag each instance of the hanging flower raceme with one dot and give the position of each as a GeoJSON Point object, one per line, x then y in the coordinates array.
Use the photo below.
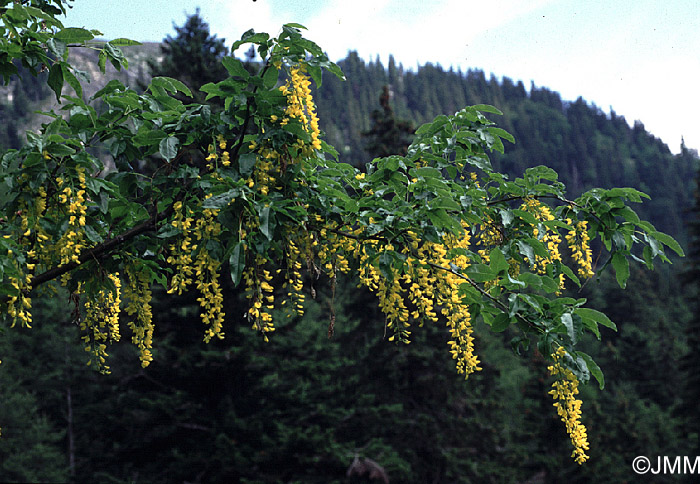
{"type": "Point", "coordinates": [138, 293]}
{"type": "Point", "coordinates": [564, 392]}
{"type": "Point", "coordinates": [194, 264]}
{"type": "Point", "coordinates": [206, 270]}
{"type": "Point", "coordinates": [260, 293]}
{"type": "Point", "coordinates": [455, 311]}
{"type": "Point", "coordinates": [101, 323]}
{"type": "Point", "coordinates": [181, 251]}
{"type": "Point", "coordinates": [301, 107]}
{"type": "Point", "coordinates": [72, 200]}
{"type": "Point", "coordinates": [578, 242]}
{"type": "Point", "coordinates": [549, 237]}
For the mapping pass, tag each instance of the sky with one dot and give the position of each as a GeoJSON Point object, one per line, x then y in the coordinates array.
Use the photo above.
{"type": "Point", "coordinates": [640, 58]}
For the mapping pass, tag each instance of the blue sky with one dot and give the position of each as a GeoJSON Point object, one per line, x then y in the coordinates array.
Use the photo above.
{"type": "Point", "coordinates": [642, 57]}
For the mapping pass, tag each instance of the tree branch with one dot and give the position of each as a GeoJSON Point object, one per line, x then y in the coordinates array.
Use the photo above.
{"type": "Point", "coordinates": [101, 250]}
{"type": "Point", "coordinates": [497, 302]}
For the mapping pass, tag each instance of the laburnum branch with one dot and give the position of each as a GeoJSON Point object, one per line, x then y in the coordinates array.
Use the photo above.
{"type": "Point", "coordinates": [556, 197]}
{"type": "Point", "coordinates": [522, 197]}
{"type": "Point", "coordinates": [496, 301]}
{"type": "Point", "coordinates": [103, 249]}
{"type": "Point", "coordinates": [248, 116]}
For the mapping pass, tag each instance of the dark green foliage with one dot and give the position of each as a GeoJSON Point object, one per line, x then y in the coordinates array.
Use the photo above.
{"type": "Point", "coordinates": [388, 136]}
{"type": "Point", "coordinates": [35, 378]}
{"type": "Point", "coordinates": [689, 411]}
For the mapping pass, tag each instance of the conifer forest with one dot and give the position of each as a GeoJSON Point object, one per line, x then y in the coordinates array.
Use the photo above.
{"type": "Point", "coordinates": [275, 268]}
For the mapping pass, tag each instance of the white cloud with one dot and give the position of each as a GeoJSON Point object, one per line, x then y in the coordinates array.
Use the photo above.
{"type": "Point", "coordinates": [413, 31]}
{"type": "Point", "coordinates": [231, 18]}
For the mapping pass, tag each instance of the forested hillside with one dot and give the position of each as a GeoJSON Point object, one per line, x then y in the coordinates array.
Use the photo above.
{"type": "Point", "coordinates": [584, 145]}
{"type": "Point", "coordinates": [304, 408]}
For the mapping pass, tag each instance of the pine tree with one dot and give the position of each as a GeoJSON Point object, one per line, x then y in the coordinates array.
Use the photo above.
{"type": "Point", "coordinates": [193, 57]}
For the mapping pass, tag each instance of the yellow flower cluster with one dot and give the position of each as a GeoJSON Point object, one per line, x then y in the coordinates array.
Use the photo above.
{"type": "Point", "coordinates": [203, 267]}
{"type": "Point", "coordinates": [207, 275]}
{"type": "Point", "coordinates": [333, 249]}
{"type": "Point", "coordinates": [294, 283]}
{"type": "Point", "coordinates": [489, 237]}
{"type": "Point", "coordinates": [73, 240]}
{"type": "Point", "coordinates": [550, 238]}
{"type": "Point", "coordinates": [300, 106]}
{"type": "Point", "coordinates": [101, 323]}
{"type": "Point", "coordinates": [138, 293]}
{"type": "Point", "coordinates": [418, 292]}
{"type": "Point", "coordinates": [213, 156]}
{"type": "Point", "coordinates": [454, 310]}
{"type": "Point", "coordinates": [260, 292]}
{"type": "Point", "coordinates": [579, 244]}
{"type": "Point", "coordinates": [565, 388]}
{"type": "Point", "coordinates": [19, 306]}
{"type": "Point", "coordinates": [262, 177]}
{"type": "Point", "coordinates": [181, 251]}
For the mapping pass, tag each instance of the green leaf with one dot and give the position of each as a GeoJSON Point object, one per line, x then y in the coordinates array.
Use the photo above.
{"type": "Point", "coordinates": [265, 222]}
{"type": "Point", "coordinates": [480, 273]}
{"type": "Point", "coordinates": [235, 67]}
{"type": "Point", "coordinates": [487, 108]}
{"type": "Point", "coordinates": [221, 200]}
{"type": "Point", "coordinates": [532, 280]}
{"type": "Point", "coordinates": [102, 61]}
{"type": "Point", "coordinates": [110, 87]}
{"type": "Point", "coordinates": [593, 368]}
{"type": "Point", "coordinates": [236, 263]}
{"type": "Point", "coordinates": [168, 148]}
{"type": "Point", "coordinates": [597, 316]}
{"type": "Point", "coordinates": [498, 262]}
{"type": "Point", "coordinates": [316, 74]}
{"type": "Point", "coordinates": [169, 84]}
{"type": "Point", "coordinates": [92, 235]}
{"type": "Point", "coordinates": [72, 80]}
{"type": "Point", "coordinates": [74, 35]}
{"type": "Point", "coordinates": [55, 80]}
{"type": "Point", "coordinates": [570, 274]}
{"type": "Point", "coordinates": [270, 78]}
{"type": "Point", "coordinates": [669, 241]}
{"type": "Point", "coordinates": [57, 48]}
{"type": "Point", "coordinates": [568, 323]}
{"type": "Point", "coordinates": [246, 163]}
{"type": "Point", "coordinates": [500, 323]}
{"type": "Point", "coordinates": [527, 251]}
{"type": "Point", "coordinates": [506, 217]}
{"type": "Point", "coordinates": [622, 268]}
{"type": "Point", "coordinates": [122, 42]}
{"type": "Point", "coordinates": [502, 133]}
{"type": "Point", "coordinates": [149, 137]}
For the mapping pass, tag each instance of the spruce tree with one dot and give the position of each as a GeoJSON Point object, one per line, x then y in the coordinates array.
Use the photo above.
{"type": "Point", "coordinates": [193, 56]}
{"type": "Point", "coordinates": [388, 135]}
